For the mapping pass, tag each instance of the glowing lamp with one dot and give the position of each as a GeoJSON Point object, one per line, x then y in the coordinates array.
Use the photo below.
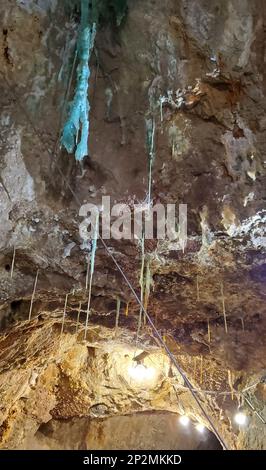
{"type": "Point", "coordinates": [140, 372]}
{"type": "Point", "coordinates": [200, 428]}
{"type": "Point", "coordinates": [240, 418]}
{"type": "Point", "coordinates": [184, 420]}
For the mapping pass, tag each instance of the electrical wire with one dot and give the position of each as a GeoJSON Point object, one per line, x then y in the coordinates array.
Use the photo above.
{"type": "Point", "coordinates": [254, 409]}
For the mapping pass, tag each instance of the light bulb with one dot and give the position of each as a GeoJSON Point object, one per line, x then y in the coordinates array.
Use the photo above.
{"type": "Point", "coordinates": [240, 418]}
{"type": "Point", "coordinates": [200, 427]}
{"type": "Point", "coordinates": [139, 372]}
{"type": "Point", "coordinates": [150, 373]}
{"type": "Point", "coordinates": [184, 420]}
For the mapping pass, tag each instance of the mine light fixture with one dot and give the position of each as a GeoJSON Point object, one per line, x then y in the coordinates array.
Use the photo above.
{"type": "Point", "coordinates": [240, 417]}
{"type": "Point", "coordinates": [184, 420]}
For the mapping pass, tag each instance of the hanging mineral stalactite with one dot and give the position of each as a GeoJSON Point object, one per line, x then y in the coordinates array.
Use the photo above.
{"type": "Point", "coordinates": [78, 119]}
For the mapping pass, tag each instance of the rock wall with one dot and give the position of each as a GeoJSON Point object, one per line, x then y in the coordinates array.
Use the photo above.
{"type": "Point", "coordinates": [140, 432]}
{"type": "Point", "coordinates": [209, 155]}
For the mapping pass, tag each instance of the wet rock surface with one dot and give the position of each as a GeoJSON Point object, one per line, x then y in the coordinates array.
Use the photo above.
{"type": "Point", "coordinates": [209, 155]}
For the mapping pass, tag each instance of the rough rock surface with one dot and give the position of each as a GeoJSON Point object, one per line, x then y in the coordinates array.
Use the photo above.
{"type": "Point", "coordinates": [46, 376]}
{"type": "Point", "coordinates": [210, 154]}
{"type": "Point", "coordinates": [141, 431]}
